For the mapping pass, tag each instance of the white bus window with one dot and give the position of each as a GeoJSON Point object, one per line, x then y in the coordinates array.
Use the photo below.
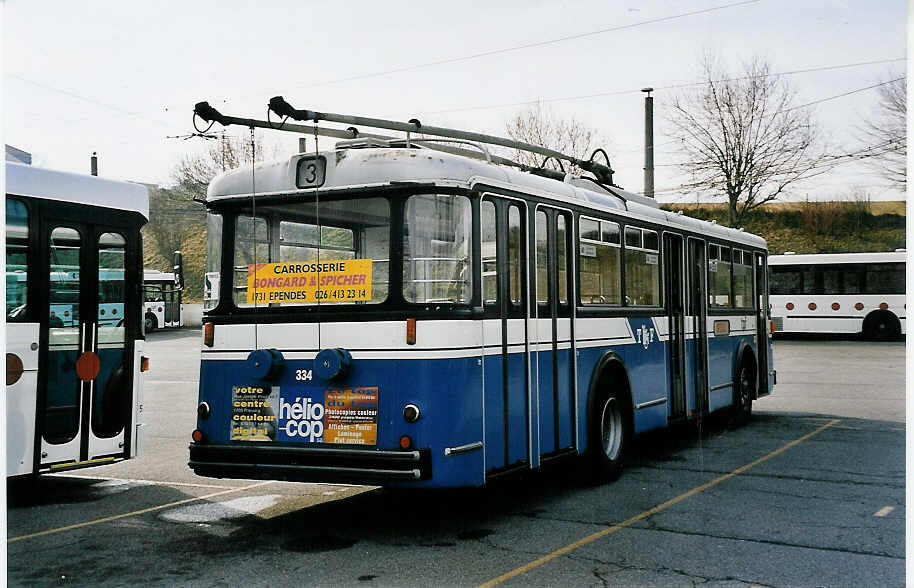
{"type": "Point", "coordinates": [17, 269]}
{"type": "Point", "coordinates": [437, 234]}
{"type": "Point", "coordinates": [885, 278]}
{"type": "Point", "coordinates": [642, 268]}
{"type": "Point", "coordinates": [601, 262]}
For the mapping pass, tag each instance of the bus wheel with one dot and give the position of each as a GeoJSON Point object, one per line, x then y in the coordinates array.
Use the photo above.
{"type": "Point", "coordinates": [881, 325]}
{"type": "Point", "coordinates": [611, 431]}
{"type": "Point", "coordinates": [151, 323]}
{"type": "Point", "coordinates": [745, 390]}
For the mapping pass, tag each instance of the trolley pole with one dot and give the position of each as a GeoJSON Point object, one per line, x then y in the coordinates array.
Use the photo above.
{"type": "Point", "coordinates": [648, 143]}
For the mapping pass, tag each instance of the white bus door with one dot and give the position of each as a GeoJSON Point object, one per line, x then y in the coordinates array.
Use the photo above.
{"type": "Point", "coordinates": [507, 357]}
{"type": "Point", "coordinates": [85, 382]}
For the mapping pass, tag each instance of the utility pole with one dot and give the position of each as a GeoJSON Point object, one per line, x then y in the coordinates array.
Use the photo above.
{"type": "Point", "coordinates": [648, 143]}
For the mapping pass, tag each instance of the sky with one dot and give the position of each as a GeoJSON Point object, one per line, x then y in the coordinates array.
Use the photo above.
{"type": "Point", "coordinates": [120, 78]}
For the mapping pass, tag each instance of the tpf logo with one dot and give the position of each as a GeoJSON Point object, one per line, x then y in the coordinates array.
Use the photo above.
{"type": "Point", "coordinates": [645, 335]}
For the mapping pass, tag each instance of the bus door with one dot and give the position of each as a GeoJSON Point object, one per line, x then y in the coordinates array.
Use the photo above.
{"type": "Point", "coordinates": [86, 373]}
{"type": "Point", "coordinates": [761, 285]}
{"type": "Point", "coordinates": [675, 296]}
{"type": "Point", "coordinates": [553, 334]}
{"type": "Point", "coordinates": [172, 301]}
{"type": "Point", "coordinates": [507, 357]}
{"type": "Point", "coordinates": [697, 366]}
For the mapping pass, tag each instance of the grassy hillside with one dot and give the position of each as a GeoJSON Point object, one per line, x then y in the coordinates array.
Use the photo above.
{"type": "Point", "coordinates": [193, 251]}
{"type": "Point", "coordinates": [817, 227]}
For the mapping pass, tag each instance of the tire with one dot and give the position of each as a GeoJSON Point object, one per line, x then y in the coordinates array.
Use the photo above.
{"type": "Point", "coordinates": [881, 325]}
{"type": "Point", "coordinates": [150, 323]}
{"type": "Point", "coordinates": [610, 435]}
{"type": "Point", "coordinates": [746, 382]}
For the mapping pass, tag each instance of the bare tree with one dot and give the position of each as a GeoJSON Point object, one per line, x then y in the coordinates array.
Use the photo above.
{"type": "Point", "coordinates": [540, 126]}
{"type": "Point", "coordinates": [176, 222]}
{"type": "Point", "coordinates": [742, 136]}
{"type": "Point", "coordinates": [194, 172]}
{"type": "Point", "coordinates": [885, 133]}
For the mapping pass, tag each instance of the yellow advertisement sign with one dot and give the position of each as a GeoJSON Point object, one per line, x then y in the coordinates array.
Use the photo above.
{"type": "Point", "coordinates": [352, 415]}
{"type": "Point", "coordinates": [297, 282]}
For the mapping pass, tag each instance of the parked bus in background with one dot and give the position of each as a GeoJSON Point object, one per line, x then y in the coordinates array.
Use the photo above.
{"type": "Point", "coordinates": [74, 339]}
{"type": "Point", "coordinates": [839, 293]}
{"type": "Point", "coordinates": [162, 301]}
{"type": "Point", "coordinates": [408, 312]}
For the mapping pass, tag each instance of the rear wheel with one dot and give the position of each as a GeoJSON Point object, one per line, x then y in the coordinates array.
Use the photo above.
{"type": "Point", "coordinates": [745, 390]}
{"type": "Point", "coordinates": [881, 325]}
{"type": "Point", "coordinates": [610, 434]}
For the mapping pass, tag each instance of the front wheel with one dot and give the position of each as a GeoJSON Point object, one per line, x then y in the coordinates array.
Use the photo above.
{"type": "Point", "coordinates": [610, 433]}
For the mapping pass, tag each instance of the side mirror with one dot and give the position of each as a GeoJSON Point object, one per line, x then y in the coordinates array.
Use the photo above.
{"type": "Point", "coordinates": [179, 271]}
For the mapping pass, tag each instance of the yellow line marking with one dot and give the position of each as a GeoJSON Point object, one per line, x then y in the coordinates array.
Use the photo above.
{"type": "Point", "coordinates": [139, 481]}
{"type": "Point", "coordinates": [650, 512]}
{"type": "Point", "coordinates": [884, 511]}
{"type": "Point", "coordinates": [134, 513]}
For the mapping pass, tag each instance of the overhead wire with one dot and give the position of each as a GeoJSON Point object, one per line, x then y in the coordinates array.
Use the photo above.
{"type": "Point", "coordinates": [526, 45]}
{"type": "Point", "coordinates": [666, 87]}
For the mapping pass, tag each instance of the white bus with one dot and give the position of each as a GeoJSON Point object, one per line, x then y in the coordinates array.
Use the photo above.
{"type": "Point", "coordinates": [74, 339]}
{"type": "Point", "coordinates": [839, 293]}
{"type": "Point", "coordinates": [162, 301]}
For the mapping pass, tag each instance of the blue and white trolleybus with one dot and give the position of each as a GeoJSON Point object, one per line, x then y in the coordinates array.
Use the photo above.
{"type": "Point", "coordinates": [417, 311]}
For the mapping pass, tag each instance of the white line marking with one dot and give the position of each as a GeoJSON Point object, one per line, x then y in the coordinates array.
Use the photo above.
{"type": "Point", "coordinates": [884, 511]}
{"type": "Point", "coordinates": [171, 381]}
{"type": "Point", "coordinates": [136, 481]}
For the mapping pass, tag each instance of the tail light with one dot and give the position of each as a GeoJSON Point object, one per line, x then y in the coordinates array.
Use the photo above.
{"type": "Point", "coordinates": [405, 442]}
{"type": "Point", "coordinates": [144, 364]}
{"type": "Point", "coordinates": [209, 333]}
{"type": "Point", "coordinates": [197, 435]}
{"type": "Point", "coordinates": [771, 327]}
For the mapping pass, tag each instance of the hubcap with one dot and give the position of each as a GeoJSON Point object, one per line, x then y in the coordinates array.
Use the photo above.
{"type": "Point", "coordinates": [745, 383]}
{"type": "Point", "coordinates": [611, 427]}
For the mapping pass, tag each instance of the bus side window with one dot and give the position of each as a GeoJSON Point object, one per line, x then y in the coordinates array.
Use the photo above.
{"type": "Point", "coordinates": [515, 247]}
{"type": "Point", "coordinates": [600, 266]}
{"type": "Point", "coordinates": [719, 268]}
{"type": "Point", "coordinates": [542, 258]}
{"type": "Point", "coordinates": [487, 235]}
{"type": "Point", "coordinates": [17, 270]}
{"type": "Point", "coordinates": [642, 267]}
